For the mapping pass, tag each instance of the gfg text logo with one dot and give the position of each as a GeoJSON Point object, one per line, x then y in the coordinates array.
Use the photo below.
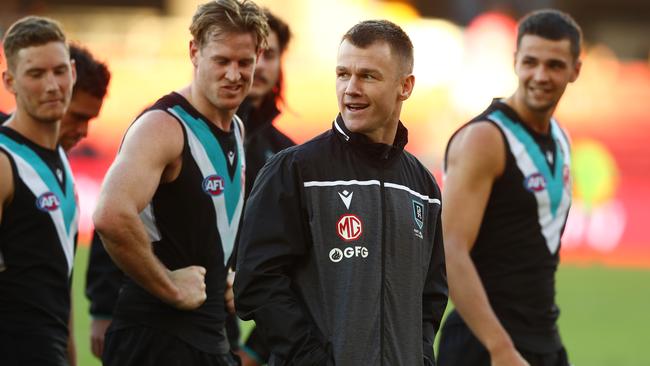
{"type": "Point", "coordinates": [336, 254]}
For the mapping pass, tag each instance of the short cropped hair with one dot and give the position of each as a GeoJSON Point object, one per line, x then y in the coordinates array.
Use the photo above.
{"type": "Point", "coordinates": [225, 16]}
{"type": "Point", "coordinates": [30, 31]}
{"type": "Point", "coordinates": [551, 24]}
{"type": "Point", "coordinates": [280, 28]}
{"type": "Point", "coordinates": [92, 75]}
{"type": "Point", "coordinates": [368, 32]}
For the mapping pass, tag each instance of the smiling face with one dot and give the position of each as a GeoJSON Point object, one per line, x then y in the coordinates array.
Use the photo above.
{"type": "Point", "coordinates": [371, 86]}
{"type": "Point", "coordinates": [42, 81]}
{"type": "Point", "coordinates": [544, 68]}
{"type": "Point", "coordinates": [224, 69]}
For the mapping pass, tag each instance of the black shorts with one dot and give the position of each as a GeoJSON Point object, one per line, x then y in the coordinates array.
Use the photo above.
{"type": "Point", "coordinates": [32, 350]}
{"type": "Point", "coordinates": [459, 347]}
{"type": "Point", "coordinates": [142, 346]}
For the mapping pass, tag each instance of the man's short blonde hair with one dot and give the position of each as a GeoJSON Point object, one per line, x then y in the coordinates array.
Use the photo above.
{"type": "Point", "coordinates": [229, 16]}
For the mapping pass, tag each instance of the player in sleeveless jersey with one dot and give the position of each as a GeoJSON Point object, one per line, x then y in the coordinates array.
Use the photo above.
{"type": "Point", "coordinates": [38, 208]}
{"type": "Point", "coordinates": [170, 206]}
{"type": "Point", "coordinates": [507, 195]}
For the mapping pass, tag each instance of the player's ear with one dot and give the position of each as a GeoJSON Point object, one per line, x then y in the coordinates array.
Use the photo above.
{"type": "Point", "coordinates": [577, 65]}
{"type": "Point", "coordinates": [8, 81]}
{"type": "Point", "coordinates": [73, 69]}
{"type": "Point", "coordinates": [406, 87]}
{"type": "Point", "coordinates": [194, 52]}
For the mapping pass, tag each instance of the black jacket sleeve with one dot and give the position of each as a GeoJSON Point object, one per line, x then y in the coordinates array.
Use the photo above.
{"type": "Point", "coordinates": [103, 280]}
{"type": "Point", "coordinates": [434, 296]}
{"type": "Point", "coordinates": [274, 237]}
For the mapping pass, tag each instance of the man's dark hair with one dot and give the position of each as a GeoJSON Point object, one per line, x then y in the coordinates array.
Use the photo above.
{"type": "Point", "coordinates": [368, 32]}
{"type": "Point", "coordinates": [280, 28]}
{"type": "Point", "coordinates": [282, 31]}
{"type": "Point", "coordinates": [92, 75]}
{"type": "Point", "coordinates": [551, 24]}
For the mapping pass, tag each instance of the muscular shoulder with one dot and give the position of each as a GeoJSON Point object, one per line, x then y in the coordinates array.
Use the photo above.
{"type": "Point", "coordinates": [478, 146]}
{"type": "Point", "coordinates": [155, 132]}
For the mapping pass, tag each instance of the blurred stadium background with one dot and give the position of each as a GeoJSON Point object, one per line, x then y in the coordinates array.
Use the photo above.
{"type": "Point", "coordinates": [463, 54]}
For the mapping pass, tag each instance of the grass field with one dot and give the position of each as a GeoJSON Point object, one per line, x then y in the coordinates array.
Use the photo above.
{"type": "Point", "coordinates": [605, 319]}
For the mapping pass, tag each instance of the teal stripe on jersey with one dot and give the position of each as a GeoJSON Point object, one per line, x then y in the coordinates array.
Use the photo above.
{"type": "Point", "coordinates": [68, 204]}
{"type": "Point", "coordinates": [554, 180]}
{"type": "Point", "coordinates": [217, 158]}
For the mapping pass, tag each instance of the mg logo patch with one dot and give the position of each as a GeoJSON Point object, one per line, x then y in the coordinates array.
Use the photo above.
{"type": "Point", "coordinates": [535, 182]}
{"type": "Point", "coordinates": [349, 227]}
{"type": "Point", "coordinates": [213, 185]}
{"type": "Point", "coordinates": [48, 202]}
{"type": "Point", "coordinates": [418, 213]}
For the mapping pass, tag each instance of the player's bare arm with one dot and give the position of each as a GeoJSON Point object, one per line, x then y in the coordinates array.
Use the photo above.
{"type": "Point", "coordinates": [150, 154]}
{"type": "Point", "coordinates": [6, 182]}
{"type": "Point", "coordinates": [476, 158]}
{"type": "Point", "coordinates": [6, 191]}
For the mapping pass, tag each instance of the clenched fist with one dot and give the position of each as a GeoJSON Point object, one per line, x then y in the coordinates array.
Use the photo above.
{"type": "Point", "coordinates": [190, 282]}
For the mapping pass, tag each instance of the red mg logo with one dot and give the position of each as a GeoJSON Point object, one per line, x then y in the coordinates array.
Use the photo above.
{"type": "Point", "coordinates": [349, 227]}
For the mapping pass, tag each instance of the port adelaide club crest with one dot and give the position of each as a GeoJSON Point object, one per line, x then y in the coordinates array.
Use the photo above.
{"type": "Point", "coordinates": [418, 217]}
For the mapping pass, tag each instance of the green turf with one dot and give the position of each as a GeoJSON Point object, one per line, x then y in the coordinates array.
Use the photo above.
{"type": "Point", "coordinates": [605, 315]}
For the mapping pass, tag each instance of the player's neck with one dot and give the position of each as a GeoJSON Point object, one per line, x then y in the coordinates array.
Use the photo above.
{"type": "Point", "coordinates": [538, 121]}
{"type": "Point", "coordinates": [219, 117]}
{"type": "Point", "coordinates": [41, 133]}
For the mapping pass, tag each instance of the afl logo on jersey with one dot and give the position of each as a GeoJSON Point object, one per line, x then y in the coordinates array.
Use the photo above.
{"type": "Point", "coordinates": [48, 202]}
{"type": "Point", "coordinates": [213, 185]}
{"type": "Point", "coordinates": [535, 182]}
{"type": "Point", "coordinates": [349, 227]}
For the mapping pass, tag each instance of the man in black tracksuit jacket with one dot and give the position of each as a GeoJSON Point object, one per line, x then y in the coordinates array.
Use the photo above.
{"type": "Point", "coordinates": [341, 257]}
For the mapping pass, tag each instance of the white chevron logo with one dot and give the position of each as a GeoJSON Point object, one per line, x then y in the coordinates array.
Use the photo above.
{"type": "Point", "coordinates": [346, 197]}
{"type": "Point", "coordinates": [231, 157]}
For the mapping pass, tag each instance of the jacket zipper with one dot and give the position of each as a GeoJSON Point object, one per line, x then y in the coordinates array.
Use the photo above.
{"type": "Point", "coordinates": [383, 265]}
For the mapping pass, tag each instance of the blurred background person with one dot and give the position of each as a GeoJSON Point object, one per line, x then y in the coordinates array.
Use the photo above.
{"type": "Point", "coordinates": [263, 139]}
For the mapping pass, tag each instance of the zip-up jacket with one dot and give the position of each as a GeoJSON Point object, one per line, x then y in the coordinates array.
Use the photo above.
{"type": "Point", "coordinates": [341, 257]}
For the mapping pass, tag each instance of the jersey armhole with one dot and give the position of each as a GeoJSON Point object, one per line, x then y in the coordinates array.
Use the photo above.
{"type": "Point", "coordinates": [509, 158]}
{"type": "Point", "coordinates": [185, 149]}
{"type": "Point", "coordinates": [14, 177]}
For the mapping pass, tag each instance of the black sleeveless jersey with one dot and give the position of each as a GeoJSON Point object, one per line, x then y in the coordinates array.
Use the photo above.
{"type": "Point", "coordinates": [516, 250]}
{"type": "Point", "coordinates": [37, 240]}
{"type": "Point", "coordinates": [193, 221]}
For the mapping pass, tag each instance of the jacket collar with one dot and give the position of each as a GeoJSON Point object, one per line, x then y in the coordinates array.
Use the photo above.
{"type": "Point", "coordinates": [255, 119]}
{"type": "Point", "coordinates": [375, 151]}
